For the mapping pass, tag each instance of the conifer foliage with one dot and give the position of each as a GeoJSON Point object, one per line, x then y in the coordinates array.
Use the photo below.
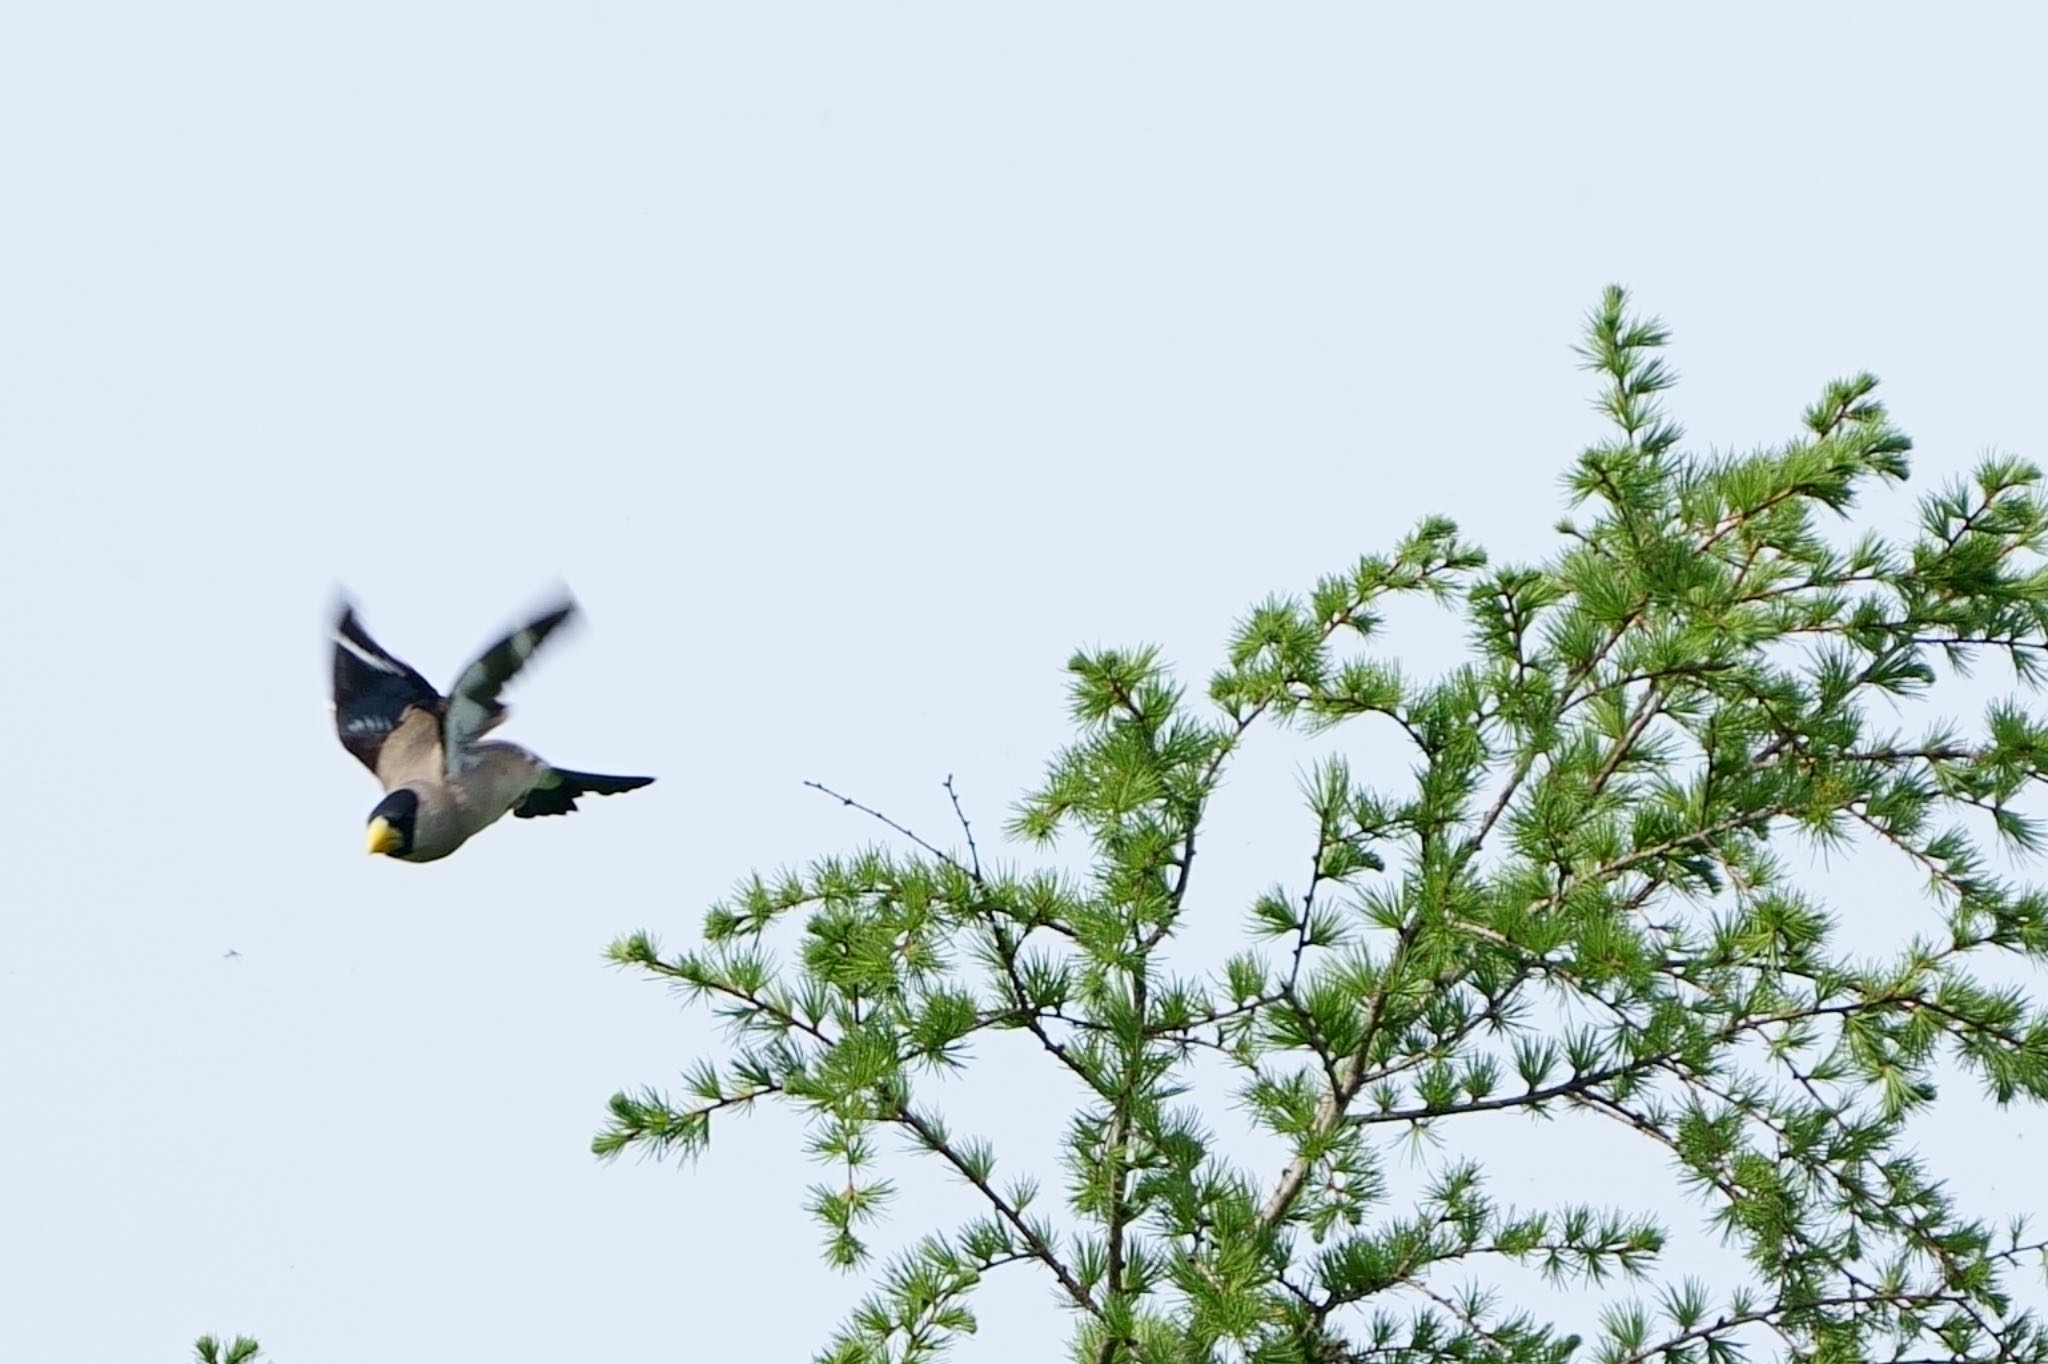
{"type": "Point", "coordinates": [1588, 893]}
{"type": "Point", "coordinates": [220, 1350]}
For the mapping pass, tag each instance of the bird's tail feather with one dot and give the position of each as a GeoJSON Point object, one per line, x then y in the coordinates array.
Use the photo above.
{"type": "Point", "coordinates": [556, 795]}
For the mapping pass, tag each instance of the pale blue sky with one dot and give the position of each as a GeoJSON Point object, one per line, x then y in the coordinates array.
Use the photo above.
{"type": "Point", "coordinates": [853, 364]}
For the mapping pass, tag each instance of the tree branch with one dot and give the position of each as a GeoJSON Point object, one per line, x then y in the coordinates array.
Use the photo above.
{"type": "Point", "coordinates": [935, 1142]}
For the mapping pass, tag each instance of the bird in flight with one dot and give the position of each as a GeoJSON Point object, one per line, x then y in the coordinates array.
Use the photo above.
{"type": "Point", "coordinates": [443, 783]}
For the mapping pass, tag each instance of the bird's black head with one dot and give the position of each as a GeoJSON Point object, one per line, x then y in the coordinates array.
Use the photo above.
{"type": "Point", "coordinates": [391, 823]}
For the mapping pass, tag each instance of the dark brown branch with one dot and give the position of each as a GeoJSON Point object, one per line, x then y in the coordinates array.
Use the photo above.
{"type": "Point", "coordinates": [933, 1141]}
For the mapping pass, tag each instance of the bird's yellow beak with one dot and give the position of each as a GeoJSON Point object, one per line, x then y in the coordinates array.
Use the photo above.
{"type": "Point", "coordinates": [384, 836]}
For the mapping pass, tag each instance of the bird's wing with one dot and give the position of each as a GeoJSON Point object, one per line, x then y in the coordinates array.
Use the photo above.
{"type": "Point", "coordinates": [473, 708]}
{"type": "Point", "coordinates": [372, 691]}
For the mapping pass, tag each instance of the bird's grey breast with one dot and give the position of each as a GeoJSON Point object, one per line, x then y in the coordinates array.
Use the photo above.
{"type": "Point", "coordinates": [490, 778]}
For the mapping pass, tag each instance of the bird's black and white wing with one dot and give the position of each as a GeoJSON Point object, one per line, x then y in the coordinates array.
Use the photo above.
{"type": "Point", "coordinates": [372, 690]}
{"type": "Point", "coordinates": [473, 708]}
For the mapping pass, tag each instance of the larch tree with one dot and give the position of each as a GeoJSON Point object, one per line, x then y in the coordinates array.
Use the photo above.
{"type": "Point", "coordinates": [1587, 895]}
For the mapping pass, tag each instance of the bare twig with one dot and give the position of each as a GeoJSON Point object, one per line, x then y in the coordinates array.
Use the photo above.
{"type": "Point", "coordinates": [966, 830]}
{"type": "Point", "coordinates": [868, 810]}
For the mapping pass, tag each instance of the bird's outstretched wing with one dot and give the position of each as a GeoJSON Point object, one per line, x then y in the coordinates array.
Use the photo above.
{"type": "Point", "coordinates": [372, 690]}
{"type": "Point", "coordinates": [473, 708]}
